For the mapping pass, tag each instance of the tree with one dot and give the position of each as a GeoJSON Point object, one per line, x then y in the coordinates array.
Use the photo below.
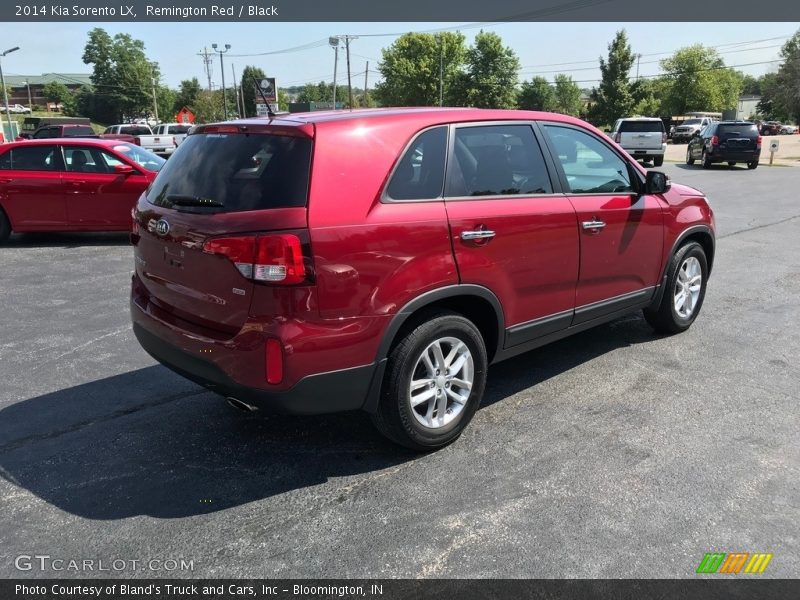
{"type": "Point", "coordinates": [165, 100]}
{"type": "Point", "coordinates": [613, 98]}
{"type": "Point", "coordinates": [490, 80]}
{"type": "Point", "coordinates": [536, 94]}
{"type": "Point", "coordinates": [122, 76]}
{"type": "Point", "coordinates": [567, 95]}
{"type": "Point", "coordinates": [647, 95]}
{"type": "Point", "coordinates": [208, 107]}
{"type": "Point", "coordinates": [250, 75]}
{"type": "Point", "coordinates": [785, 90]}
{"type": "Point", "coordinates": [55, 91]}
{"type": "Point", "coordinates": [411, 69]}
{"type": "Point", "coordinates": [283, 100]}
{"type": "Point", "coordinates": [187, 94]}
{"type": "Point", "coordinates": [697, 80]}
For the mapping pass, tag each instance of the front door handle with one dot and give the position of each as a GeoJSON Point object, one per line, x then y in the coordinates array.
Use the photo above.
{"type": "Point", "coordinates": [593, 225]}
{"type": "Point", "coordinates": [478, 234]}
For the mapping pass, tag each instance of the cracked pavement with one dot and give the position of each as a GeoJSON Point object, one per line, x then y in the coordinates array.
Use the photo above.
{"type": "Point", "coordinates": [636, 453]}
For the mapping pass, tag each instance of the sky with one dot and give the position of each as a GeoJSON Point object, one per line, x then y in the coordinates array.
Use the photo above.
{"type": "Point", "coordinates": [543, 48]}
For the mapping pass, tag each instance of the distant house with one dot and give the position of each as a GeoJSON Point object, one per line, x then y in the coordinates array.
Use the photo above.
{"type": "Point", "coordinates": [747, 106]}
{"type": "Point", "coordinates": [19, 86]}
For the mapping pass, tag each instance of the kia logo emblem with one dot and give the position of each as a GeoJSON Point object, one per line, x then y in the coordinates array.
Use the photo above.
{"type": "Point", "coordinates": [162, 227]}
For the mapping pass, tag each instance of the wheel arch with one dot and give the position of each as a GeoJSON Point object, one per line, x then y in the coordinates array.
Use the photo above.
{"type": "Point", "coordinates": [703, 235]}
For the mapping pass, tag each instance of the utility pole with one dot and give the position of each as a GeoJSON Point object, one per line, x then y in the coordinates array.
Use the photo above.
{"type": "Point", "coordinates": [222, 69]}
{"type": "Point", "coordinates": [5, 89]}
{"type": "Point", "coordinates": [30, 100]}
{"type": "Point", "coordinates": [441, 70]}
{"type": "Point", "coordinates": [638, 57]}
{"type": "Point", "coordinates": [155, 99]}
{"type": "Point", "coordinates": [207, 64]}
{"type": "Point", "coordinates": [366, 73]}
{"type": "Point", "coordinates": [239, 107]}
{"type": "Point", "coordinates": [349, 83]}
{"type": "Point", "coordinates": [334, 43]}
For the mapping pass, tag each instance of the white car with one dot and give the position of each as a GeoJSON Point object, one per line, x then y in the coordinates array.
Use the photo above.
{"type": "Point", "coordinates": [788, 129]}
{"type": "Point", "coordinates": [644, 138]}
{"type": "Point", "coordinates": [17, 109]}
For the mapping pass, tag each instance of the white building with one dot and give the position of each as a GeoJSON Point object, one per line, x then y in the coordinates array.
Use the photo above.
{"type": "Point", "coordinates": [747, 106]}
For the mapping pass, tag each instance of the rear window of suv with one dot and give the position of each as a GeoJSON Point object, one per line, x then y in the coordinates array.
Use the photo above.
{"type": "Point", "coordinates": [641, 127]}
{"type": "Point", "coordinates": [235, 172]}
{"type": "Point", "coordinates": [745, 130]}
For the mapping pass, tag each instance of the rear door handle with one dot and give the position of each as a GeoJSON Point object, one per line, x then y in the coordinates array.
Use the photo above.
{"type": "Point", "coordinates": [590, 225]}
{"type": "Point", "coordinates": [478, 234]}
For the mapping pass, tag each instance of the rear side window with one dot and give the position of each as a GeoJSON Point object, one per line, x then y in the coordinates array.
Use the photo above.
{"type": "Point", "coordinates": [747, 130]}
{"type": "Point", "coordinates": [420, 173]}
{"type": "Point", "coordinates": [135, 130]}
{"type": "Point", "coordinates": [497, 160]}
{"type": "Point", "coordinates": [641, 127]}
{"type": "Point", "coordinates": [77, 131]}
{"type": "Point", "coordinates": [590, 166]}
{"type": "Point", "coordinates": [178, 129]}
{"type": "Point", "coordinates": [31, 158]}
{"type": "Point", "coordinates": [235, 172]}
{"type": "Point", "coordinates": [48, 132]}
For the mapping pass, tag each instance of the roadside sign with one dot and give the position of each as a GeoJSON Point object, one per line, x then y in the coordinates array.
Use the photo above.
{"type": "Point", "coordinates": [269, 88]}
{"type": "Point", "coordinates": [261, 109]}
{"type": "Point", "coordinates": [184, 116]}
{"type": "Point", "coordinates": [773, 148]}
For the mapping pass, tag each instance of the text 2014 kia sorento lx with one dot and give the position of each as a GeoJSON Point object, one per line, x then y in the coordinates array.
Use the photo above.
{"type": "Point", "coordinates": [382, 259]}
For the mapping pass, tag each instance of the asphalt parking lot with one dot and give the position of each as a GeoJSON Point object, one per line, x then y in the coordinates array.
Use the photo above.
{"type": "Point", "coordinates": [615, 453]}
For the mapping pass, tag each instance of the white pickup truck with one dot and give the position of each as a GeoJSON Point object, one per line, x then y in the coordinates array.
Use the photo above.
{"type": "Point", "coordinates": [141, 135]}
{"type": "Point", "coordinates": [176, 130]}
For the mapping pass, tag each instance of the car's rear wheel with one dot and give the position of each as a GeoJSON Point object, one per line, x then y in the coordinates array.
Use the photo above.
{"type": "Point", "coordinates": [689, 157]}
{"type": "Point", "coordinates": [5, 227]}
{"type": "Point", "coordinates": [686, 288]}
{"type": "Point", "coordinates": [752, 164]}
{"type": "Point", "coordinates": [658, 161]}
{"type": "Point", "coordinates": [706, 160]}
{"type": "Point", "coordinates": [434, 383]}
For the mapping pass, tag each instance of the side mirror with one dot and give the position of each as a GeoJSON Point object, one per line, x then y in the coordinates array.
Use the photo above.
{"type": "Point", "coordinates": [123, 169]}
{"type": "Point", "coordinates": [657, 183]}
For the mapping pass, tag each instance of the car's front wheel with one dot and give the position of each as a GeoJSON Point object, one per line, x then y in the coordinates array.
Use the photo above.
{"type": "Point", "coordinates": [658, 161]}
{"type": "Point", "coordinates": [689, 157]}
{"type": "Point", "coordinates": [434, 382]}
{"type": "Point", "coordinates": [705, 159]}
{"type": "Point", "coordinates": [686, 288]}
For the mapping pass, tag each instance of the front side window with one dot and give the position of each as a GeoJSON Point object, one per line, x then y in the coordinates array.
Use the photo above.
{"type": "Point", "coordinates": [30, 158]}
{"type": "Point", "coordinates": [497, 160]}
{"type": "Point", "coordinates": [590, 167]}
{"type": "Point", "coordinates": [420, 172]}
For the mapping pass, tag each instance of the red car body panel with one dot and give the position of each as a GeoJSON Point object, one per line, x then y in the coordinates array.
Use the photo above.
{"type": "Point", "coordinates": [373, 262]}
{"type": "Point", "coordinates": [60, 200]}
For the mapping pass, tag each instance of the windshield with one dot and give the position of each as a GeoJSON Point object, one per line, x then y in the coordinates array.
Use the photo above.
{"type": "Point", "coordinates": [140, 156]}
{"type": "Point", "coordinates": [641, 126]}
{"type": "Point", "coordinates": [234, 172]}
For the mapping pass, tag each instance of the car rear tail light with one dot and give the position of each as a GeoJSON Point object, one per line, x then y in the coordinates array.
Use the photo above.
{"type": "Point", "coordinates": [137, 140]}
{"type": "Point", "coordinates": [274, 361]}
{"type": "Point", "coordinates": [134, 237]}
{"type": "Point", "coordinates": [758, 142]}
{"type": "Point", "coordinates": [664, 137]}
{"type": "Point", "coordinates": [714, 140]}
{"type": "Point", "coordinates": [272, 258]}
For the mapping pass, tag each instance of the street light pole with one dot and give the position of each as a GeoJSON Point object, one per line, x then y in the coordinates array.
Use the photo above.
{"type": "Point", "coordinates": [334, 43]}
{"type": "Point", "coordinates": [5, 91]}
{"type": "Point", "coordinates": [222, 68]}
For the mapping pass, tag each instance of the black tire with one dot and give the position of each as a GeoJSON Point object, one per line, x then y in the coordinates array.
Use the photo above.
{"type": "Point", "coordinates": [5, 227]}
{"type": "Point", "coordinates": [665, 318]}
{"type": "Point", "coordinates": [705, 160]}
{"type": "Point", "coordinates": [731, 163]}
{"type": "Point", "coordinates": [658, 161]}
{"type": "Point", "coordinates": [752, 164]}
{"type": "Point", "coordinates": [395, 416]}
{"type": "Point", "coordinates": [689, 157]}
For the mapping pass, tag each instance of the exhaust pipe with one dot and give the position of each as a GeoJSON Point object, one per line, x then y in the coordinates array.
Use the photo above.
{"type": "Point", "coordinates": [243, 406]}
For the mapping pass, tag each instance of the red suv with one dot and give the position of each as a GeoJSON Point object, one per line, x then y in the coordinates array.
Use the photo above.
{"type": "Point", "coordinates": [383, 259]}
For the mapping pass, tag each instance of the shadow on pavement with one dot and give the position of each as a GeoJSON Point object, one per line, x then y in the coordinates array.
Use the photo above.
{"type": "Point", "coordinates": [148, 442]}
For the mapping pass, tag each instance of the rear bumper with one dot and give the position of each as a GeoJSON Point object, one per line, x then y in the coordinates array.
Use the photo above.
{"type": "Point", "coordinates": [735, 155]}
{"type": "Point", "coordinates": [336, 391]}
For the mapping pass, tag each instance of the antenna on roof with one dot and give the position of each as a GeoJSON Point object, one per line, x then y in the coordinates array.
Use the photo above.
{"type": "Point", "coordinates": [264, 98]}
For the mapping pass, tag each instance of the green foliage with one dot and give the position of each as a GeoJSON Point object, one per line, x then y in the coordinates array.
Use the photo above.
{"type": "Point", "coordinates": [536, 94]}
{"type": "Point", "coordinates": [283, 100]}
{"type": "Point", "coordinates": [751, 85]}
{"type": "Point", "coordinates": [208, 107]}
{"type": "Point", "coordinates": [249, 76]}
{"type": "Point", "coordinates": [614, 97]}
{"type": "Point", "coordinates": [122, 76]}
{"type": "Point", "coordinates": [647, 96]}
{"type": "Point", "coordinates": [783, 91]}
{"type": "Point", "coordinates": [165, 100]}
{"type": "Point", "coordinates": [55, 91]}
{"type": "Point", "coordinates": [490, 79]}
{"type": "Point", "coordinates": [187, 94]}
{"type": "Point", "coordinates": [567, 95]}
{"type": "Point", "coordinates": [698, 81]}
{"type": "Point", "coordinates": [411, 67]}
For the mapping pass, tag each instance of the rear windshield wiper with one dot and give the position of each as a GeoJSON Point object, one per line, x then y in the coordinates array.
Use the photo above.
{"type": "Point", "coordinates": [186, 200]}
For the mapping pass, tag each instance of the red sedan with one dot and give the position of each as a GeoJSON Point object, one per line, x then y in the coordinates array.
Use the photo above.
{"type": "Point", "coordinates": [71, 184]}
